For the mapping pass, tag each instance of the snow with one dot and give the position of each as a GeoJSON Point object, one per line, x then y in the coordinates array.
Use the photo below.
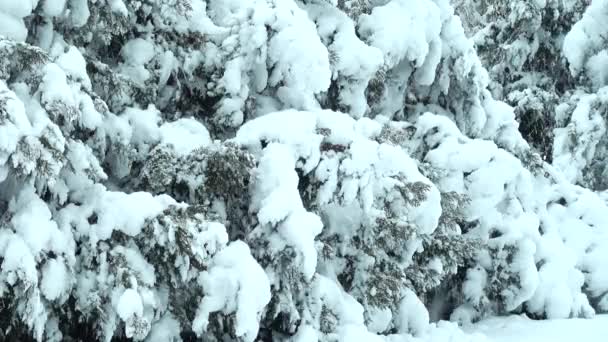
{"type": "Point", "coordinates": [53, 8]}
{"type": "Point", "coordinates": [18, 261]}
{"type": "Point", "coordinates": [521, 329]}
{"type": "Point", "coordinates": [19, 9]}
{"type": "Point", "coordinates": [144, 124]}
{"type": "Point", "coordinates": [138, 265]}
{"type": "Point", "coordinates": [136, 54]}
{"type": "Point", "coordinates": [597, 67]}
{"type": "Point", "coordinates": [294, 128]}
{"type": "Point", "coordinates": [12, 27]}
{"type": "Point", "coordinates": [413, 316]}
{"type": "Point", "coordinates": [74, 64]}
{"type": "Point", "coordinates": [357, 333]}
{"type": "Point", "coordinates": [55, 86]}
{"type": "Point", "coordinates": [11, 14]}
{"type": "Point", "coordinates": [164, 330]}
{"type": "Point", "coordinates": [80, 12]}
{"type": "Point", "coordinates": [138, 51]}
{"type": "Point", "coordinates": [588, 126]}
{"type": "Point", "coordinates": [278, 204]}
{"type": "Point", "coordinates": [55, 279]}
{"type": "Point", "coordinates": [383, 29]}
{"type": "Point", "coordinates": [129, 305]}
{"type": "Point", "coordinates": [16, 125]}
{"type": "Point", "coordinates": [297, 57]}
{"type": "Point", "coordinates": [344, 111]}
{"type": "Point", "coordinates": [235, 283]}
{"type": "Point", "coordinates": [335, 27]}
{"type": "Point", "coordinates": [118, 6]}
{"type": "Point", "coordinates": [306, 333]}
{"type": "Point", "coordinates": [33, 222]}
{"type": "Point", "coordinates": [119, 211]}
{"type": "Point", "coordinates": [184, 135]}
{"type": "Point", "coordinates": [586, 36]}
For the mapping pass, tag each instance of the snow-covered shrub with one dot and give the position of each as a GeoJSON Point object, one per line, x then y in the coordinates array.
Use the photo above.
{"type": "Point", "coordinates": [520, 43]}
{"type": "Point", "coordinates": [379, 213]}
{"type": "Point", "coordinates": [581, 139]}
{"type": "Point", "coordinates": [226, 170]}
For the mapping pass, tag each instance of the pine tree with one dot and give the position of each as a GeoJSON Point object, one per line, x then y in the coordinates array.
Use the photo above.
{"type": "Point", "coordinates": [188, 170]}
{"type": "Point", "coordinates": [520, 42]}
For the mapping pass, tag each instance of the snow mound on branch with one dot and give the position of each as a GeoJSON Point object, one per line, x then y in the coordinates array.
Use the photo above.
{"type": "Point", "coordinates": [106, 211]}
{"type": "Point", "coordinates": [11, 14]}
{"type": "Point", "coordinates": [516, 215]}
{"type": "Point", "coordinates": [587, 37]}
{"type": "Point", "coordinates": [235, 283]}
{"type": "Point", "coordinates": [185, 135]}
{"type": "Point", "coordinates": [383, 29]}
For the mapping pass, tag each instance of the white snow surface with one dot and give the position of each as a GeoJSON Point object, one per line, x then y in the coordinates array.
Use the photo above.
{"type": "Point", "coordinates": [523, 329]}
{"type": "Point", "coordinates": [506, 329]}
{"type": "Point", "coordinates": [185, 135]}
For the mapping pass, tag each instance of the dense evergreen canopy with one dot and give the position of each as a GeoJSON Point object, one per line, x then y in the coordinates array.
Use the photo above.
{"type": "Point", "coordinates": [306, 170]}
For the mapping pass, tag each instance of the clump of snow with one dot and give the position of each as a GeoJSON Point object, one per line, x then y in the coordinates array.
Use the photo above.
{"type": "Point", "coordinates": [278, 204]}
{"type": "Point", "coordinates": [55, 279]}
{"type": "Point", "coordinates": [13, 128]}
{"type": "Point", "coordinates": [571, 156]}
{"type": "Point", "coordinates": [294, 128]}
{"type": "Point", "coordinates": [12, 27]}
{"type": "Point", "coordinates": [119, 7]}
{"type": "Point", "coordinates": [32, 220]}
{"type": "Point", "coordinates": [129, 305]}
{"type": "Point", "coordinates": [144, 124]}
{"type": "Point", "coordinates": [164, 329]}
{"type": "Point", "coordinates": [74, 64]}
{"type": "Point", "coordinates": [352, 71]}
{"type": "Point", "coordinates": [297, 58]}
{"type": "Point", "coordinates": [586, 37]}
{"type": "Point", "coordinates": [597, 69]}
{"type": "Point", "coordinates": [235, 283]}
{"type": "Point", "coordinates": [136, 54]}
{"type": "Point", "coordinates": [413, 316]}
{"type": "Point", "coordinates": [383, 29]}
{"type": "Point", "coordinates": [19, 9]}
{"type": "Point", "coordinates": [119, 211]}
{"type": "Point", "coordinates": [55, 86]}
{"type": "Point", "coordinates": [138, 51]}
{"type": "Point", "coordinates": [306, 333]}
{"type": "Point", "coordinates": [184, 135]}
{"type": "Point", "coordinates": [509, 217]}
{"type": "Point", "coordinates": [11, 14]}
{"type": "Point", "coordinates": [53, 8]}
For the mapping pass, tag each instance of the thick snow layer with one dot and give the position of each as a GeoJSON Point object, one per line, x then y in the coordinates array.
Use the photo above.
{"type": "Point", "coordinates": [117, 210]}
{"type": "Point", "coordinates": [11, 14]}
{"type": "Point", "coordinates": [521, 329]}
{"type": "Point", "coordinates": [383, 28]}
{"type": "Point", "coordinates": [235, 283]}
{"type": "Point", "coordinates": [19, 9]}
{"type": "Point", "coordinates": [185, 135]}
{"type": "Point", "coordinates": [129, 304]}
{"type": "Point", "coordinates": [53, 8]}
{"type": "Point", "coordinates": [74, 64]}
{"type": "Point", "coordinates": [79, 225]}
{"type": "Point", "coordinates": [278, 204]}
{"type": "Point", "coordinates": [12, 27]}
{"type": "Point", "coordinates": [55, 279]}
{"type": "Point", "coordinates": [587, 36]}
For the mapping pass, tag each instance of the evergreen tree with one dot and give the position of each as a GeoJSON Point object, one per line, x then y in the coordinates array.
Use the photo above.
{"type": "Point", "coordinates": [520, 42]}
{"type": "Point", "coordinates": [226, 170]}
